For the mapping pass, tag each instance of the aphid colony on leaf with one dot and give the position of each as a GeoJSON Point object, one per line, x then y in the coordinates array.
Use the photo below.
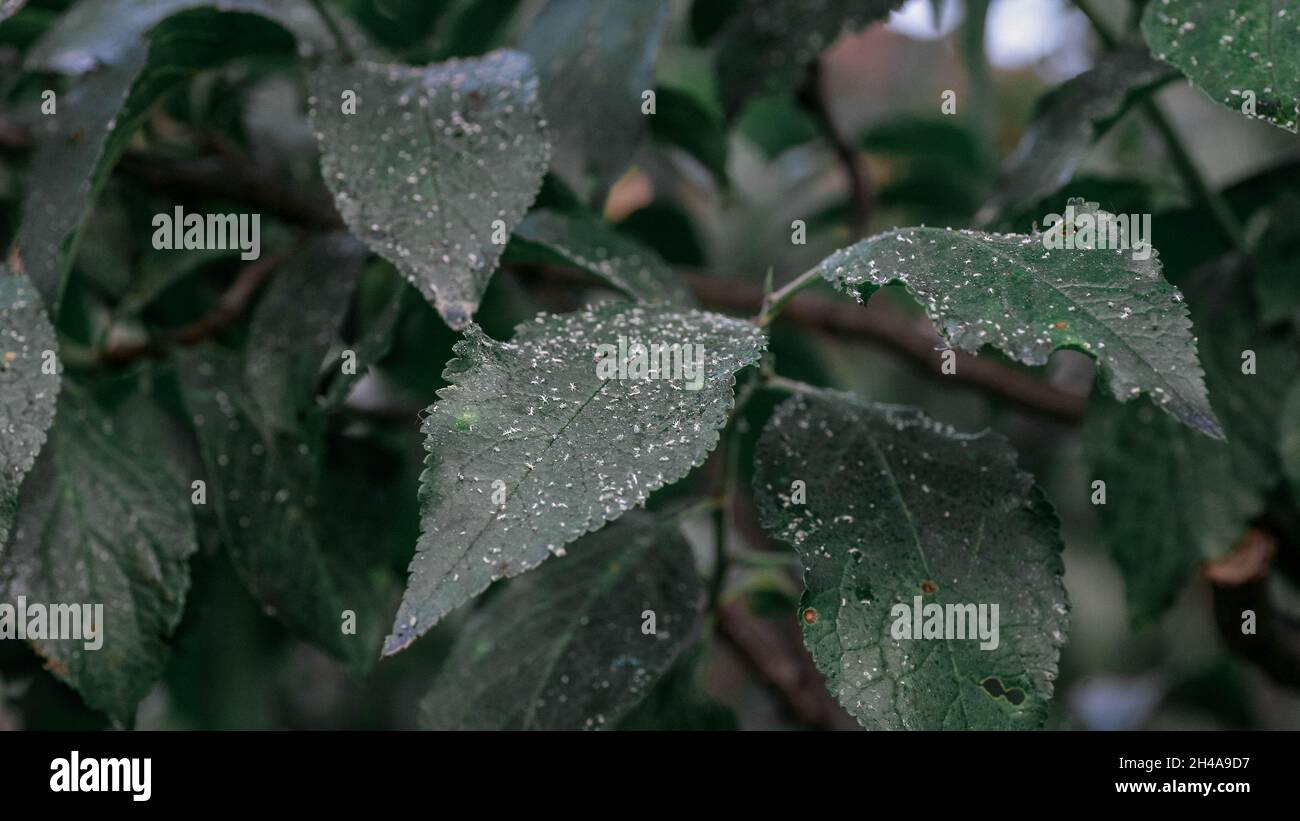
{"type": "Point", "coordinates": [678, 361]}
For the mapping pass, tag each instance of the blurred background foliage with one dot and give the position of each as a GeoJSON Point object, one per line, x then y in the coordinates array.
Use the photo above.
{"type": "Point", "coordinates": [713, 202]}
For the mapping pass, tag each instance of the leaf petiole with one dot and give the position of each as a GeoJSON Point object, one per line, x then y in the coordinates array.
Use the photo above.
{"type": "Point", "coordinates": [774, 302]}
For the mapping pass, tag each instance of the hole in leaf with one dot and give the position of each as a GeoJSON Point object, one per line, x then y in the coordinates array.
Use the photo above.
{"type": "Point", "coordinates": [994, 687]}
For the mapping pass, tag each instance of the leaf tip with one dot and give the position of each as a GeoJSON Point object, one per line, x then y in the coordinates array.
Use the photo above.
{"type": "Point", "coordinates": [457, 313]}
{"type": "Point", "coordinates": [400, 639]}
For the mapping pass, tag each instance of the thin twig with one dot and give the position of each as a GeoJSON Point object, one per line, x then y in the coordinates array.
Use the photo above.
{"type": "Point", "coordinates": [244, 181]}
{"type": "Point", "coordinates": [1224, 219]}
{"type": "Point", "coordinates": [774, 301]}
{"type": "Point", "coordinates": [770, 651]}
{"type": "Point", "coordinates": [811, 98]}
{"type": "Point", "coordinates": [882, 324]}
{"type": "Point", "coordinates": [258, 187]}
{"type": "Point", "coordinates": [232, 305]}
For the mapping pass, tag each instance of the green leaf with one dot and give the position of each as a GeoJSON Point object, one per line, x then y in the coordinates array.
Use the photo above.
{"type": "Point", "coordinates": [534, 418]}
{"type": "Point", "coordinates": [123, 67]}
{"type": "Point", "coordinates": [400, 24]}
{"type": "Point", "coordinates": [899, 507]}
{"type": "Point", "coordinates": [595, 59]}
{"type": "Point", "coordinates": [304, 543]}
{"type": "Point", "coordinates": [477, 27]}
{"type": "Point", "coordinates": [1065, 124]}
{"type": "Point", "coordinates": [430, 162]}
{"type": "Point", "coordinates": [72, 154]}
{"type": "Point", "coordinates": [103, 521]}
{"type": "Point", "coordinates": [563, 648]}
{"type": "Point", "coordinates": [93, 34]}
{"type": "Point", "coordinates": [1174, 498]}
{"type": "Point", "coordinates": [27, 396]}
{"type": "Point", "coordinates": [767, 45]}
{"type": "Point", "coordinates": [775, 125]}
{"type": "Point", "coordinates": [1230, 47]}
{"type": "Point", "coordinates": [1011, 292]}
{"type": "Point", "coordinates": [681, 120]}
{"type": "Point", "coordinates": [296, 323]}
{"type": "Point", "coordinates": [550, 237]}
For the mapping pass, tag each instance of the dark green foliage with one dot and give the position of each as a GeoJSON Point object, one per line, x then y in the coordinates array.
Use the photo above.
{"type": "Point", "coordinates": [509, 425]}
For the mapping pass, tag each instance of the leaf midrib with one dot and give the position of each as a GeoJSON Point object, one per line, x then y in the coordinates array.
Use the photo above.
{"type": "Point", "coordinates": [621, 569]}
{"type": "Point", "coordinates": [925, 565]}
{"type": "Point", "coordinates": [464, 556]}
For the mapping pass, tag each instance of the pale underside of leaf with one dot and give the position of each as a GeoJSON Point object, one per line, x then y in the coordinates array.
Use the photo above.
{"type": "Point", "coordinates": [897, 507]}
{"type": "Point", "coordinates": [563, 648]}
{"type": "Point", "coordinates": [28, 396]}
{"type": "Point", "coordinates": [533, 419]}
{"type": "Point", "coordinates": [1064, 127]}
{"type": "Point", "coordinates": [436, 167]}
{"type": "Point", "coordinates": [1011, 292]}
{"type": "Point", "coordinates": [1244, 54]}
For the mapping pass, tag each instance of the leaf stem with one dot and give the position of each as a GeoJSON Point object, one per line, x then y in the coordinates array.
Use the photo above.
{"type": "Point", "coordinates": [721, 561]}
{"type": "Point", "coordinates": [723, 497]}
{"type": "Point", "coordinates": [706, 505]}
{"type": "Point", "coordinates": [783, 384]}
{"type": "Point", "coordinates": [774, 302]}
{"type": "Point", "coordinates": [764, 559]}
{"type": "Point", "coordinates": [977, 69]}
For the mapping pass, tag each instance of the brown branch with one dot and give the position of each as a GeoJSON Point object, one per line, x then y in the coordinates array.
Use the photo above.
{"type": "Point", "coordinates": [1240, 582]}
{"type": "Point", "coordinates": [232, 305]}
{"type": "Point", "coordinates": [789, 671]}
